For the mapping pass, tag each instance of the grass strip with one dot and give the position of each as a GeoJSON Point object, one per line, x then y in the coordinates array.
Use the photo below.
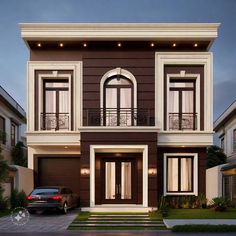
{"type": "Point", "coordinates": [204, 228]}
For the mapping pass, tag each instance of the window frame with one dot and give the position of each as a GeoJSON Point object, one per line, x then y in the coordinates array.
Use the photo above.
{"type": "Point", "coordinates": [234, 141]}
{"type": "Point", "coordinates": [3, 141]}
{"type": "Point", "coordinates": [195, 78]}
{"type": "Point", "coordinates": [13, 141]}
{"type": "Point", "coordinates": [194, 168]}
{"type": "Point", "coordinates": [43, 79]}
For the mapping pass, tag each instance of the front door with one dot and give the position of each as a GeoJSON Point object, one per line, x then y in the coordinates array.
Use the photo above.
{"type": "Point", "coordinates": [118, 180]}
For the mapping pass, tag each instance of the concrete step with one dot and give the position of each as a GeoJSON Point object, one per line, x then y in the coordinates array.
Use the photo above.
{"type": "Point", "coordinates": [119, 221]}
{"type": "Point", "coordinates": [115, 225]}
{"type": "Point", "coordinates": [119, 218]}
{"type": "Point", "coordinates": [119, 215]}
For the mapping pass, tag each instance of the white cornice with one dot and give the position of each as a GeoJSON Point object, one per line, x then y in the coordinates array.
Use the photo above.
{"type": "Point", "coordinates": [109, 31]}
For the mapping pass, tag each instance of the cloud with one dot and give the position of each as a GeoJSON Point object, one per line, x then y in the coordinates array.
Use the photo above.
{"type": "Point", "coordinates": [224, 95]}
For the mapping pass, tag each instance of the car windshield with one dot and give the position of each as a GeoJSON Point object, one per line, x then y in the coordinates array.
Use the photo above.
{"type": "Point", "coordinates": [45, 191]}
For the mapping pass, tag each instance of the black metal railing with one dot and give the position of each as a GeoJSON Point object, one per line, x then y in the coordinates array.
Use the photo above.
{"type": "Point", "coordinates": [182, 121]}
{"type": "Point", "coordinates": [55, 121]}
{"type": "Point", "coordinates": [117, 117]}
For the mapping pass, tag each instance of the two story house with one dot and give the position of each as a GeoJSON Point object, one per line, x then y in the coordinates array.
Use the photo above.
{"type": "Point", "coordinates": [120, 113]}
{"type": "Point", "coordinates": [12, 128]}
{"type": "Point", "coordinates": [225, 128]}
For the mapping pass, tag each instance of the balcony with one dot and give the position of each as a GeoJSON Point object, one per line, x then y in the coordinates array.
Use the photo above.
{"type": "Point", "coordinates": [182, 121]}
{"type": "Point", "coordinates": [55, 121]}
{"type": "Point", "coordinates": [124, 117]}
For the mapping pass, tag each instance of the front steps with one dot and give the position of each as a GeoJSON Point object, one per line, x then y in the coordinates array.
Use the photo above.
{"type": "Point", "coordinates": [113, 221]}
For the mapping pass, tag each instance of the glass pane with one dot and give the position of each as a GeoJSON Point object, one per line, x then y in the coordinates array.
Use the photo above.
{"type": "Point", "coordinates": [126, 192]}
{"type": "Point", "coordinates": [110, 176]}
{"type": "Point", "coordinates": [181, 84]}
{"type": "Point", "coordinates": [172, 177]}
{"type": "Point", "coordinates": [187, 101]}
{"type": "Point", "coordinates": [120, 81]}
{"type": "Point", "coordinates": [186, 174]}
{"type": "Point", "coordinates": [56, 84]}
{"type": "Point", "coordinates": [125, 105]}
{"type": "Point", "coordinates": [63, 101]}
{"type": "Point", "coordinates": [174, 102]}
{"type": "Point", "coordinates": [50, 102]}
{"type": "Point", "coordinates": [111, 107]}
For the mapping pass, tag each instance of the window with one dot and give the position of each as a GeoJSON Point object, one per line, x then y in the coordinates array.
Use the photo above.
{"type": "Point", "coordinates": [2, 130]}
{"type": "Point", "coordinates": [118, 102]}
{"type": "Point", "coordinates": [56, 105]}
{"type": "Point", "coordinates": [222, 144]}
{"type": "Point", "coordinates": [182, 105]}
{"type": "Point", "coordinates": [13, 133]}
{"type": "Point", "coordinates": [234, 140]}
{"type": "Point", "coordinates": [180, 174]}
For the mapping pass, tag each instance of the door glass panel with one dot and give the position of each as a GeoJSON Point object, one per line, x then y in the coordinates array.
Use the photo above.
{"type": "Point", "coordinates": [172, 178]}
{"type": "Point", "coordinates": [125, 107]}
{"type": "Point", "coordinates": [110, 175]}
{"type": "Point", "coordinates": [126, 192]}
{"type": "Point", "coordinates": [111, 107]}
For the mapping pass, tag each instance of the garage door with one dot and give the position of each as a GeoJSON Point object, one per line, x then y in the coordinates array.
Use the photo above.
{"type": "Point", "coordinates": [63, 171]}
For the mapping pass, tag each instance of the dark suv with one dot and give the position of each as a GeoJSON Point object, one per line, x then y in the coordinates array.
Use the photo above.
{"type": "Point", "coordinates": [55, 197]}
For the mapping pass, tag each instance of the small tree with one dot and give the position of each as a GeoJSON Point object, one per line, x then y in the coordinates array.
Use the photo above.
{"type": "Point", "coordinates": [215, 156]}
{"type": "Point", "coordinates": [3, 174]}
{"type": "Point", "coordinates": [18, 155]}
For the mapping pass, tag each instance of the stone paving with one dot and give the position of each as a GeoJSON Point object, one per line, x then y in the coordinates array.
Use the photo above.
{"type": "Point", "coordinates": [43, 222]}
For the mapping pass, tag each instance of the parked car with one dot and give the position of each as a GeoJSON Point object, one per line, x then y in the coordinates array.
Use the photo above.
{"type": "Point", "coordinates": [55, 197]}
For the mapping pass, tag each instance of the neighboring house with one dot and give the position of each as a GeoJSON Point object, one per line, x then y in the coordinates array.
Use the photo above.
{"type": "Point", "coordinates": [225, 127]}
{"type": "Point", "coordinates": [121, 113]}
{"type": "Point", "coordinates": [13, 125]}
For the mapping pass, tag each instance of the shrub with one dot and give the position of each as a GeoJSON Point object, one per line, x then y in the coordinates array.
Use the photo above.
{"type": "Point", "coordinates": [204, 228]}
{"type": "Point", "coordinates": [18, 199]}
{"type": "Point", "coordinates": [163, 207]}
{"type": "Point", "coordinates": [18, 154]}
{"type": "Point", "coordinates": [4, 202]}
{"type": "Point", "coordinates": [220, 203]}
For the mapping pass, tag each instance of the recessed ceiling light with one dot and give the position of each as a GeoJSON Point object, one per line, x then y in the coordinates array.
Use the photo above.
{"type": "Point", "coordinates": [174, 45]}
{"type": "Point", "coordinates": [119, 44]}
{"type": "Point", "coordinates": [195, 45]}
{"type": "Point", "coordinates": [39, 45]}
{"type": "Point", "coordinates": [66, 147]}
{"type": "Point", "coordinates": [152, 44]}
{"type": "Point", "coordinates": [61, 45]}
{"type": "Point", "coordinates": [85, 45]}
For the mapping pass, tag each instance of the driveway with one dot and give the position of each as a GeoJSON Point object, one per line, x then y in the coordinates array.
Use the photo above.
{"type": "Point", "coordinates": [43, 222]}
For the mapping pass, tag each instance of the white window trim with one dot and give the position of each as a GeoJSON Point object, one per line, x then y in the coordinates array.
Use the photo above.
{"type": "Point", "coordinates": [194, 77]}
{"type": "Point", "coordinates": [195, 173]}
{"type": "Point", "coordinates": [118, 71]}
{"type": "Point", "coordinates": [184, 58]}
{"type": "Point", "coordinates": [119, 148]}
{"type": "Point", "coordinates": [76, 67]}
{"type": "Point", "coordinates": [44, 77]}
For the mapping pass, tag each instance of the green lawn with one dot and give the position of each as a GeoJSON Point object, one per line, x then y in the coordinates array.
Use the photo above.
{"type": "Point", "coordinates": [4, 212]}
{"type": "Point", "coordinates": [201, 214]}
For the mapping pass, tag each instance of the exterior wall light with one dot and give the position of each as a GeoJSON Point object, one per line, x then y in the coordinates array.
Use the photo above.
{"type": "Point", "coordinates": [85, 171]}
{"type": "Point", "coordinates": [152, 171]}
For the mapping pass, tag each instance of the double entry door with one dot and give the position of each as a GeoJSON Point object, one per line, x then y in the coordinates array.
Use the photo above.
{"type": "Point", "coordinates": [119, 181]}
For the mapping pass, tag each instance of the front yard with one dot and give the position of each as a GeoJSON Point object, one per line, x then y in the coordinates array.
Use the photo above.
{"type": "Point", "coordinates": [201, 214]}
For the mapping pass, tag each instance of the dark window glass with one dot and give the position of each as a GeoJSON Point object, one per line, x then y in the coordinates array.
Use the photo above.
{"type": "Point", "coordinates": [2, 130]}
{"type": "Point", "coordinates": [45, 191]}
{"type": "Point", "coordinates": [13, 134]}
{"type": "Point", "coordinates": [234, 140]}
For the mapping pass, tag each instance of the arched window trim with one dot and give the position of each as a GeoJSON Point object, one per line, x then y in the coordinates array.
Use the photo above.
{"type": "Point", "coordinates": [114, 72]}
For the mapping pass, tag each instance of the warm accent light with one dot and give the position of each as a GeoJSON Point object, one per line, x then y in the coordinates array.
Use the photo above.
{"type": "Point", "coordinates": [66, 147]}
{"type": "Point", "coordinates": [195, 45]}
{"type": "Point", "coordinates": [61, 45]}
{"type": "Point", "coordinates": [84, 171]}
{"type": "Point", "coordinates": [39, 45]}
{"type": "Point", "coordinates": [152, 171]}
{"type": "Point", "coordinates": [119, 44]}
{"type": "Point", "coordinates": [152, 44]}
{"type": "Point", "coordinates": [85, 45]}
{"type": "Point", "coordinates": [174, 45]}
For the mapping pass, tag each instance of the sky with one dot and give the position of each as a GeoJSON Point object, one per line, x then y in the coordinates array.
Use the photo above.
{"type": "Point", "coordinates": [14, 53]}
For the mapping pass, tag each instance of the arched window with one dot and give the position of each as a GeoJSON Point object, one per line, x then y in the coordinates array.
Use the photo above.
{"type": "Point", "coordinates": [118, 98]}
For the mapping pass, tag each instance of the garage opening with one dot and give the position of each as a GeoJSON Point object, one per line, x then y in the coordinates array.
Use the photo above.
{"type": "Point", "coordinates": [63, 171]}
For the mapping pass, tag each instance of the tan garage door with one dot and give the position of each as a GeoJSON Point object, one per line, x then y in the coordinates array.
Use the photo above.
{"type": "Point", "coordinates": [63, 171]}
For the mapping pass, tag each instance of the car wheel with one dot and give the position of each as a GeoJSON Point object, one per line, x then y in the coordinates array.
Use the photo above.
{"type": "Point", "coordinates": [65, 208]}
